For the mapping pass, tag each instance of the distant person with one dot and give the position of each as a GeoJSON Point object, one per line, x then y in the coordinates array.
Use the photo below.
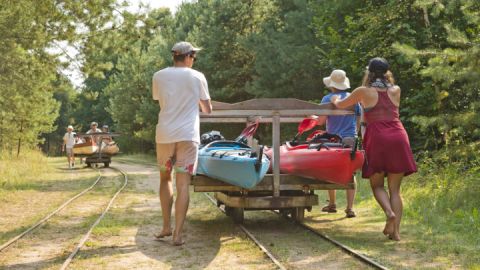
{"type": "Point", "coordinates": [180, 90]}
{"type": "Point", "coordinates": [386, 143]}
{"type": "Point", "coordinates": [69, 140]}
{"type": "Point", "coordinates": [344, 126]}
{"type": "Point", "coordinates": [106, 139]}
{"type": "Point", "coordinates": [94, 129]}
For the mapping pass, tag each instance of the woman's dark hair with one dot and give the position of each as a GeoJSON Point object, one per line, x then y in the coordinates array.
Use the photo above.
{"type": "Point", "coordinates": [370, 77]}
{"type": "Point", "coordinates": [378, 68]}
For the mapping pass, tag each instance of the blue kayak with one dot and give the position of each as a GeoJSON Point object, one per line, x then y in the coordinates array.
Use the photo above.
{"type": "Point", "coordinates": [232, 162]}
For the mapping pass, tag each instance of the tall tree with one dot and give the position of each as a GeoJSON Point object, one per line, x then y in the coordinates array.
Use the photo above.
{"type": "Point", "coordinates": [31, 33]}
{"type": "Point", "coordinates": [450, 72]}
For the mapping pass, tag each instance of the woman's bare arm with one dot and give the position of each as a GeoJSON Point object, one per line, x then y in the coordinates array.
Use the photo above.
{"type": "Point", "coordinates": [354, 98]}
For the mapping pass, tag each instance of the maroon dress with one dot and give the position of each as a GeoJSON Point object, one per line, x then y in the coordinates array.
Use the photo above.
{"type": "Point", "coordinates": [385, 141]}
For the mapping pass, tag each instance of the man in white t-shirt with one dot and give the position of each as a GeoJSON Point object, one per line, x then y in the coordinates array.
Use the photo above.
{"type": "Point", "coordinates": [94, 129]}
{"type": "Point", "coordinates": [69, 140]}
{"type": "Point", "coordinates": [180, 91]}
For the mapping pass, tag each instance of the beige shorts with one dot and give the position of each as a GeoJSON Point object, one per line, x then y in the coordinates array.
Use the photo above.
{"type": "Point", "coordinates": [69, 151]}
{"type": "Point", "coordinates": [179, 156]}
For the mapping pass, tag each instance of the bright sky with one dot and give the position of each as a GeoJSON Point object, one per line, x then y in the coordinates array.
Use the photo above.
{"type": "Point", "coordinates": [172, 4]}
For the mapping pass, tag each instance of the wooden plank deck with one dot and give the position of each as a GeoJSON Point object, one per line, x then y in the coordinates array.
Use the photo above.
{"type": "Point", "coordinates": [203, 183]}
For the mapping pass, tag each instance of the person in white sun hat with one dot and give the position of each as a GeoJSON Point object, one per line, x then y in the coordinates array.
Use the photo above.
{"type": "Point", "coordinates": [180, 91]}
{"type": "Point", "coordinates": [344, 126]}
{"type": "Point", "coordinates": [69, 140]}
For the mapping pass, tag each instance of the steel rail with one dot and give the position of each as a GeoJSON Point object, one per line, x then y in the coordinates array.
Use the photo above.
{"type": "Point", "coordinates": [47, 217]}
{"type": "Point", "coordinates": [87, 235]}
{"type": "Point", "coordinates": [345, 248]}
{"type": "Point", "coordinates": [253, 238]}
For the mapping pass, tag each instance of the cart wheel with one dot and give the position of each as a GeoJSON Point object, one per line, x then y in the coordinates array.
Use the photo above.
{"type": "Point", "coordinates": [298, 213]}
{"type": "Point", "coordinates": [237, 215]}
{"type": "Point", "coordinates": [228, 211]}
{"type": "Point", "coordinates": [106, 164]}
{"type": "Point", "coordinates": [89, 165]}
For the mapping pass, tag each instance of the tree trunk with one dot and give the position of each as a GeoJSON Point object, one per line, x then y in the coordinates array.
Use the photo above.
{"type": "Point", "coordinates": [20, 138]}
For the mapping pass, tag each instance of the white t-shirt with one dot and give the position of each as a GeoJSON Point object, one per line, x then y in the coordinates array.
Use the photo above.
{"type": "Point", "coordinates": [179, 91]}
{"type": "Point", "coordinates": [94, 131]}
{"type": "Point", "coordinates": [69, 139]}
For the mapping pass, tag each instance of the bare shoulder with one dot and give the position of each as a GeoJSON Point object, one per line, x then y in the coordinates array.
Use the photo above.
{"type": "Point", "coordinates": [360, 90]}
{"type": "Point", "coordinates": [395, 89]}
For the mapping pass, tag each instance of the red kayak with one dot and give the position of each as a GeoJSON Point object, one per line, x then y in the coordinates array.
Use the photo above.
{"type": "Point", "coordinates": [324, 161]}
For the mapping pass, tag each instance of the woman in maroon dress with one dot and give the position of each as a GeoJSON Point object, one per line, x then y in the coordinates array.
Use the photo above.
{"type": "Point", "coordinates": [386, 143]}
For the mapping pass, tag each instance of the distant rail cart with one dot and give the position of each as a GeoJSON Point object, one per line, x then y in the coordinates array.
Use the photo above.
{"type": "Point", "coordinates": [290, 194]}
{"type": "Point", "coordinates": [96, 148]}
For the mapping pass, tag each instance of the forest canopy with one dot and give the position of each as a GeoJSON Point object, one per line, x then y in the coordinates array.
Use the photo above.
{"type": "Point", "coordinates": [255, 48]}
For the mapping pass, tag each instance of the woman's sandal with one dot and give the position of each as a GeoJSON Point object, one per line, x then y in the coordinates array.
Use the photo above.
{"type": "Point", "coordinates": [330, 208]}
{"type": "Point", "coordinates": [350, 213]}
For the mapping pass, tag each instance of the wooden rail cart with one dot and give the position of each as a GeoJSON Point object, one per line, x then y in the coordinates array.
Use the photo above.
{"type": "Point", "coordinates": [290, 194]}
{"type": "Point", "coordinates": [98, 156]}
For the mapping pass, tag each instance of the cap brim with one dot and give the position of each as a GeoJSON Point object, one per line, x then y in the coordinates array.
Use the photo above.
{"type": "Point", "coordinates": [196, 49]}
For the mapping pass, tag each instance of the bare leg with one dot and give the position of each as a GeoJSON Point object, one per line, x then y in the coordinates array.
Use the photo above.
{"type": "Point", "coordinates": [351, 196]}
{"type": "Point", "coordinates": [331, 207]}
{"type": "Point", "coordinates": [166, 201]}
{"type": "Point", "coordinates": [332, 195]}
{"type": "Point", "coordinates": [378, 188]}
{"type": "Point", "coordinates": [394, 181]}
{"type": "Point", "coordinates": [69, 158]}
{"type": "Point", "coordinates": [181, 205]}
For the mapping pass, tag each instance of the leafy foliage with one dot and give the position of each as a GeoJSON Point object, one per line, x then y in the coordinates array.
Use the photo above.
{"type": "Point", "coordinates": [255, 48]}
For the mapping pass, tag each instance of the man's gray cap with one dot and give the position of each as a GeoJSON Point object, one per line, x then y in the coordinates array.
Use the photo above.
{"type": "Point", "coordinates": [184, 48]}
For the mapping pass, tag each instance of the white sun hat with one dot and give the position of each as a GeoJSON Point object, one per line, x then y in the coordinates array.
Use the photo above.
{"type": "Point", "coordinates": [337, 79]}
{"type": "Point", "coordinates": [70, 127]}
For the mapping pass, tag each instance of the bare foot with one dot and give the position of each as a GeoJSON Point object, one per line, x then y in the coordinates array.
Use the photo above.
{"type": "Point", "coordinates": [389, 225]}
{"type": "Point", "coordinates": [394, 237]}
{"type": "Point", "coordinates": [177, 239]}
{"type": "Point", "coordinates": [178, 242]}
{"type": "Point", "coordinates": [163, 233]}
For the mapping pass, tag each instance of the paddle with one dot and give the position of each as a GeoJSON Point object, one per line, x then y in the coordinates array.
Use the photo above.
{"type": "Point", "coordinates": [247, 132]}
{"type": "Point", "coordinates": [306, 125]}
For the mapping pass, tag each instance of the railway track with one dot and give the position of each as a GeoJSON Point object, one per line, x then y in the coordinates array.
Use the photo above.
{"type": "Point", "coordinates": [355, 254]}
{"type": "Point", "coordinates": [253, 238]}
{"type": "Point", "coordinates": [65, 204]}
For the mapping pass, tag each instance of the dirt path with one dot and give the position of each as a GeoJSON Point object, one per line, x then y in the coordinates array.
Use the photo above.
{"type": "Point", "coordinates": [123, 240]}
{"type": "Point", "coordinates": [46, 247]}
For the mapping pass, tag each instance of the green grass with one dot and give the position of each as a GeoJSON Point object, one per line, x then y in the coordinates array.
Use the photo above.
{"type": "Point", "coordinates": [444, 203]}
{"type": "Point", "coordinates": [18, 172]}
{"type": "Point", "coordinates": [143, 159]}
{"type": "Point", "coordinates": [440, 221]}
